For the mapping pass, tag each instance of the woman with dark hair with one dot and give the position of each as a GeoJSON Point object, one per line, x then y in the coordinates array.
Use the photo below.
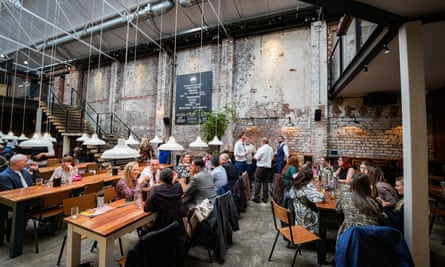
{"type": "Point", "coordinates": [304, 195]}
{"type": "Point", "coordinates": [345, 171]}
{"type": "Point", "coordinates": [357, 205]}
{"type": "Point", "coordinates": [289, 170]}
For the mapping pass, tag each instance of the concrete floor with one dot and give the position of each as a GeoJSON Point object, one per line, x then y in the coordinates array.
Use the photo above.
{"type": "Point", "coordinates": [251, 246]}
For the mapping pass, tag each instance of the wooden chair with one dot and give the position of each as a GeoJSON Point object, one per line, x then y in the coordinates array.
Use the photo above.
{"type": "Point", "coordinates": [84, 202]}
{"type": "Point", "coordinates": [50, 206]}
{"type": "Point", "coordinates": [109, 194]}
{"type": "Point", "coordinates": [93, 167]}
{"type": "Point", "coordinates": [46, 175]}
{"type": "Point", "coordinates": [295, 234]}
{"type": "Point", "coordinates": [94, 187]}
{"type": "Point", "coordinates": [53, 162]}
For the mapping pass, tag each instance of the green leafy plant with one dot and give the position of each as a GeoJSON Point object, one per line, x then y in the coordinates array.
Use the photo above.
{"type": "Point", "coordinates": [216, 123]}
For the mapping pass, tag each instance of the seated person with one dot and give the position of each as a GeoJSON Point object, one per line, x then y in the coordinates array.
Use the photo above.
{"type": "Point", "coordinates": [17, 175]}
{"type": "Point", "coordinates": [126, 186]}
{"type": "Point", "coordinates": [201, 185]}
{"type": "Point", "coordinates": [304, 195]}
{"type": "Point", "coordinates": [394, 213]}
{"type": "Point", "coordinates": [219, 176]}
{"type": "Point", "coordinates": [150, 174]}
{"type": "Point", "coordinates": [41, 154]}
{"type": "Point", "coordinates": [166, 199]}
{"type": "Point", "coordinates": [65, 171]}
{"type": "Point", "coordinates": [183, 168]}
{"type": "Point", "coordinates": [231, 171]}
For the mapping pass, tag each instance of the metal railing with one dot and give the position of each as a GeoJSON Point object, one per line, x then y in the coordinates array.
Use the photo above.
{"type": "Point", "coordinates": [106, 123]}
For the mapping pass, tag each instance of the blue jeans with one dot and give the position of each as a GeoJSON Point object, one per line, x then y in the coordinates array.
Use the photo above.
{"type": "Point", "coordinates": [241, 167]}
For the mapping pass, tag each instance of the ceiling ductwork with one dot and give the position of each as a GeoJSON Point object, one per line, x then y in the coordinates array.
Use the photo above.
{"type": "Point", "coordinates": [189, 3]}
{"type": "Point", "coordinates": [150, 10]}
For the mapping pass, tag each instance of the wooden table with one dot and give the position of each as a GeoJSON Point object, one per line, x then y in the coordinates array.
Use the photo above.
{"type": "Point", "coordinates": [327, 214]}
{"type": "Point", "coordinates": [436, 192]}
{"type": "Point", "coordinates": [19, 199]}
{"type": "Point", "coordinates": [105, 229]}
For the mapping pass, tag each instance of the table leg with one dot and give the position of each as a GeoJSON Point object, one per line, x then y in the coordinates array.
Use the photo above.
{"type": "Point", "coordinates": [73, 247]}
{"type": "Point", "coordinates": [17, 230]}
{"type": "Point", "coordinates": [106, 252]}
{"type": "Point", "coordinates": [3, 218]}
{"type": "Point", "coordinates": [322, 233]}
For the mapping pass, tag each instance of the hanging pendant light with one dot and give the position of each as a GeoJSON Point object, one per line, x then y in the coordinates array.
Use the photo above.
{"type": "Point", "coordinates": [94, 141]}
{"type": "Point", "coordinates": [10, 136]}
{"type": "Point", "coordinates": [120, 151]}
{"type": "Point", "coordinates": [22, 137]}
{"type": "Point", "coordinates": [156, 140]}
{"type": "Point", "coordinates": [85, 137]}
{"type": "Point", "coordinates": [171, 145]}
{"type": "Point", "coordinates": [131, 140]}
{"type": "Point", "coordinates": [198, 143]}
{"type": "Point", "coordinates": [47, 136]}
{"type": "Point", "coordinates": [35, 141]}
{"type": "Point", "coordinates": [216, 142]}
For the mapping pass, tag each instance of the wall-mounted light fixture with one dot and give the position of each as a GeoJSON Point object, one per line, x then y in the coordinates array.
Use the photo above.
{"type": "Point", "coordinates": [365, 68]}
{"type": "Point", "coordinates": [353, 120]}
{"type": "Point", "coordinates": [289, 127]}
{"type": "Point", "coordinates": [386, 49]}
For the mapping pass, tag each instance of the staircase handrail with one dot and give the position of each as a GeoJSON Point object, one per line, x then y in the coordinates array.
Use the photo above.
{"type": "Point", "coordinates": [84, 105]}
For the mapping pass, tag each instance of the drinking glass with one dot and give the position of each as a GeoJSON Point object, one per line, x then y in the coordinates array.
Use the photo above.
{"type": "Point", "coordinates": [39, 182]}
{"type": "Point", "coordinates": [74, 212]}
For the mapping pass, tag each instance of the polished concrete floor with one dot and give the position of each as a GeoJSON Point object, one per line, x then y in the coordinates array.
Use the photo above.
{"type": "Point", "coordinates": [251, 246]}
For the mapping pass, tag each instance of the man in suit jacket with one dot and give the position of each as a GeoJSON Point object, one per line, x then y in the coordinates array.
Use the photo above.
{"type": "Point", "coordinates": [201, 185]}
{"type": "Point", "coordinates": [17, 175]}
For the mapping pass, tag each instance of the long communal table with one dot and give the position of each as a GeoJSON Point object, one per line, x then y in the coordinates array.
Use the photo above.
{"type": "Point", "coordinates": [105, 229]}
{"type": "Point", "coordinates": [18, 199]}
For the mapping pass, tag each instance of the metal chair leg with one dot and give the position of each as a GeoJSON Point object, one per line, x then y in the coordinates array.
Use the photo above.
{"type": "Point", "coordinates": [273, 246]}
{"type": "Point", "coordinates": [61, 249]}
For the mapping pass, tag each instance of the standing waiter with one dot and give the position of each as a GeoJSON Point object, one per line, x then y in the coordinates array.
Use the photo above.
{"type": "Point", "coordinates": [282, 154]}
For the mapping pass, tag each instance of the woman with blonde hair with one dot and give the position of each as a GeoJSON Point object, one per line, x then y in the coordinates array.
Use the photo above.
{"type": "Point", "coordinates": [126, 186]}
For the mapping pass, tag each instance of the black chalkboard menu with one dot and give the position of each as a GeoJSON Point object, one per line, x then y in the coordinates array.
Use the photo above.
{"type": "Point", "coordinates": [193, 97]}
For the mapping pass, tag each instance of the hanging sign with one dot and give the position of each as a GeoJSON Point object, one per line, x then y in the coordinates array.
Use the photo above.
{"type": "Point", "coordinates": [193, 97]}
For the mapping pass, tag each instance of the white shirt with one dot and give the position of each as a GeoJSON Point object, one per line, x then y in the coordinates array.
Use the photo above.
{"type": "Point", "coordinates": [22, 179]}
{"type": "Point", "coordinates": [239, 151]}
{"type": "Point", "coordinates": [264, 156]}
{"type": "Point", "coordinates": [252, 150]}
{"type": "Point", "coordinates": [148, 173]}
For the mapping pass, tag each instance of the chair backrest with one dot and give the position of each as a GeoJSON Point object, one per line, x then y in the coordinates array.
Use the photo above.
{"type": "Point", "coordinates": [45, 175]}
{"type": "Point", "coordinates": [53, 162]}
{"type": "Point", "coordinates": [54, 200]}
{"type": "Point", "coordinates": [155, 248]}
{"type": "Point", "coordinates": [372, 246]}
{"type": "Point", "coordinates": [109, 194]}
{"type": "Point", "coordinates": [93, 167]}
{"type": "Point", "coordinates": [281, 214]}
{"type": "Point", "coordinates": [94, 187]}
{"type": "Point", "coordinates": [84, 202]}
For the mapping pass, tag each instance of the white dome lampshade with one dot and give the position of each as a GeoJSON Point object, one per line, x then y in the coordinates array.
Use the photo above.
{"type": "Point", "coordinates": [216, 142]}
{"type": "Point", "coordinates": [94, 141]}
{"type": "Point", "coordinates": [131, 141]}
{"type": "Point", "coordinates": [35, 141]}
{"type": "Point", "coordinates": [10, 136]}
{"type": "Point", "coordinates": [156, 140]}
{"type": "Point", "coordinates": [198, 143]}
{"type": "Point", "coordinates": [47, 136]}
{"type": "Point", "coordinates": [120, 151]}
{"type": "Point", "coordinates": [22, 137]}
{"type": "Point", "coordinates": [171, 145]}
{"type": "Point", "coordinates": [83, 138]}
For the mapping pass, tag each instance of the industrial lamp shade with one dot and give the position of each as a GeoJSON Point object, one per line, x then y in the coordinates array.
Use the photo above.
{"type": "Point", "coordinates": [131, 141]}
{"type": "Point", "coordinates": [198, 143]}
{"type": "Point", "coordinates": [94, 141]}
{"type": "Point", "coordinates": [83, 138]}
{"type": "Point", "coordinates": [22, 137]}
{"type": "Point", "coordinates": [156, 140]}
{"type": "Point", "coordinates": [120, 151]}
{"type": "Point", "coordinates": [171, 145]}
{"type": "Point", "coordinates": [47, 136]}
{"type": "Point", "coordinates": [216, 142]}
{"type": "Point", "coordinates": [35, 141]}
{"type": "Point", "coordinates": [10, 136]}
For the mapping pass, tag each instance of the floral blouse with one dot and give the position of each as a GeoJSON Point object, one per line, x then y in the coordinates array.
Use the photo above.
{"type": "Point", "coordinates": [123, 191]}
{"type": "Point", "coordinates": [353, 216]}
{"type": "Point", "coordinates": [304, 200]}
